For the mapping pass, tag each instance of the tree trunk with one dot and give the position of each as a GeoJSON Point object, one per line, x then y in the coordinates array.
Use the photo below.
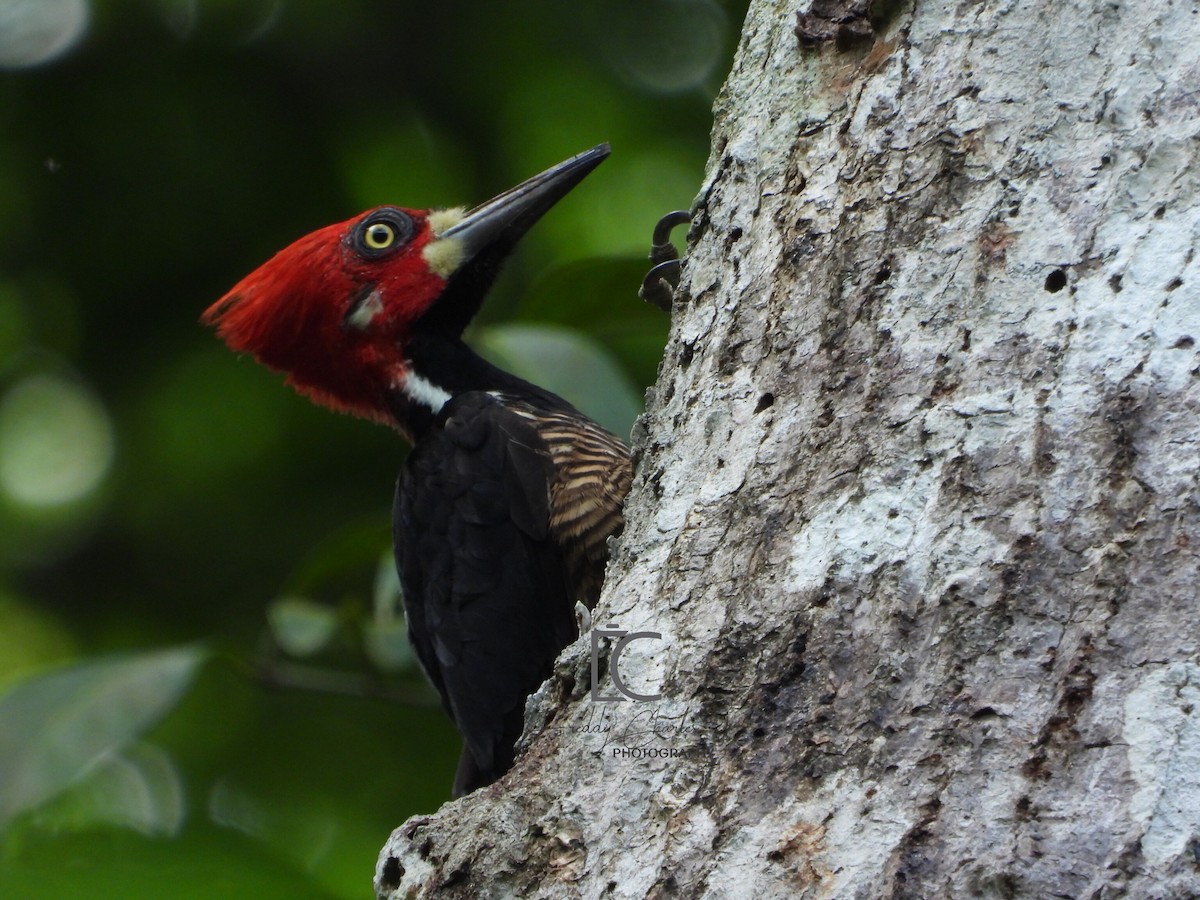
{"type": "Point", "coordinates": [916, 490]}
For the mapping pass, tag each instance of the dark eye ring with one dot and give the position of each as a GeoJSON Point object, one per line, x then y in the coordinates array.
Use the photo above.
{"type": "Point", "coordinates": [383, 232]}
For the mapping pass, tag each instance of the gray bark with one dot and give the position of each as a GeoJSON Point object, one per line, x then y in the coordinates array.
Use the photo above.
{"type": "Point", "coordinates": [916, 492]}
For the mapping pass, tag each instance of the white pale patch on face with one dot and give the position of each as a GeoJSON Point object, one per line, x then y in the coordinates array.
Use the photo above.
{"type": "Point", "coordinates": [441, 219]}
{"type": "Point", "coordinates": [443, 256]}
{"type": "Point", "coordinates": [366, 311]}
{"type": "Point", "coordinates": [423, 392]}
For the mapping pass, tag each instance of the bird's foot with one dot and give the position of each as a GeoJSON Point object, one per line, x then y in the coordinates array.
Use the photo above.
{"type": "Point", "coordinates": [658, 287]}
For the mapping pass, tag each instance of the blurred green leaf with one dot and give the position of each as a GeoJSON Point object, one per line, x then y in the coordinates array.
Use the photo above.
{"type": "Point", "coordinates": [386, 644]}
{"type": "Point", "coordinates": [140, 788]}
{"type": "Point", "coordinates": [385, 634]}
{"type": "Point", "coordinates": [301, 627]}
{"type": "Point", "coordinates": [388, 593]}
{"type": "Point", "coordinates": [57, 727]}
{"type": "Point", "coordinates": [303, 835]}
{"type": "Point", "coordinates": [603, 302]}
{"type": "Point", "coordinates": [568, 363]}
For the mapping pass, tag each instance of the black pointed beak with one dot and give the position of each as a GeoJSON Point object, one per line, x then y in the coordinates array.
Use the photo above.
{"type": "Point", "coordinates": [504, 219]}
{"type": "Point", "coordinates": [489, 232]}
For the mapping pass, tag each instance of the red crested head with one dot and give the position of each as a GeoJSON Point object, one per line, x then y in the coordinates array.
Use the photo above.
{"type": "Point", "coordinates": [336, 309]}
{"type": "Point", "coordinates": [333, 309]}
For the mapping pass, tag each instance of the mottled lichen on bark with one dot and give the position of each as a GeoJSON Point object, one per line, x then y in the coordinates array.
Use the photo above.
{"type": "Point", "coordinates": [917, 499]}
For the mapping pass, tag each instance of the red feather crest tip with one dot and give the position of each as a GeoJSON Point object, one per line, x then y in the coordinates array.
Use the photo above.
{"type": "Point", "coordinates": [274, 305]}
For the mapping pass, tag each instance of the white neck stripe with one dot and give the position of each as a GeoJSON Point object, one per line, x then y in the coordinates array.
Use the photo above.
{"type": "Point", "coordinates": [424, 392]}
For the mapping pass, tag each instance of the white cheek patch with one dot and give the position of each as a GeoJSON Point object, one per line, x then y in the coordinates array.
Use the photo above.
{"type": "Point", "coordinates": [443, 256]}
{"type": "Point", "coordinates": [364, 312]}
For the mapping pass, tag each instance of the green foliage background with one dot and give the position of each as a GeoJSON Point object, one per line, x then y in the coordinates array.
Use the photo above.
{"type": "Point", "coordinates": [204, 687]}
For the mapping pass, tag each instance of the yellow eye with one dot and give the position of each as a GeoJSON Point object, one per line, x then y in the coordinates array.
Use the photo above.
{"type": "Point", "coordinates": [379, 236]}
{"type": "Point", "coordinates": [381, 233]}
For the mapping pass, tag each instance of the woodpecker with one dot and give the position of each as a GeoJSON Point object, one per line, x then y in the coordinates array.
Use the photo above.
{"type": "Point", "coordinates": [505, 504]}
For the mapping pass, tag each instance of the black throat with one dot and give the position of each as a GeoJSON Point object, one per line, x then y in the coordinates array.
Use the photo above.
{"type": "Point", "coordinates": [443, 365]}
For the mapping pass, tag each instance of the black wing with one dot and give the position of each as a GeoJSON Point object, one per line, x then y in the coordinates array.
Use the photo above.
{"type": "Point", "coordinates": [485, 587]}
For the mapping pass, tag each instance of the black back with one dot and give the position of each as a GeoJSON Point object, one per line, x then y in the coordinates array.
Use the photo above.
{"type": "Point", "coordinates": [485, 587]}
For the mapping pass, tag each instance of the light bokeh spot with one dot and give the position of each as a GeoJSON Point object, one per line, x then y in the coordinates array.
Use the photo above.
{"type": "Point", "coordinates": [56, 442]}
{"type": "Point", "coordinates": [37, 31]}
{"type": "Point", "coordinates": [667, 46]}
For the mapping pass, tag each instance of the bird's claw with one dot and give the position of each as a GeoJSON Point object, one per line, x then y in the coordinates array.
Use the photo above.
{"type": "Point", "coordinates": [658, 287]}
{"type": "Point", "coordinates": [661, 248]}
